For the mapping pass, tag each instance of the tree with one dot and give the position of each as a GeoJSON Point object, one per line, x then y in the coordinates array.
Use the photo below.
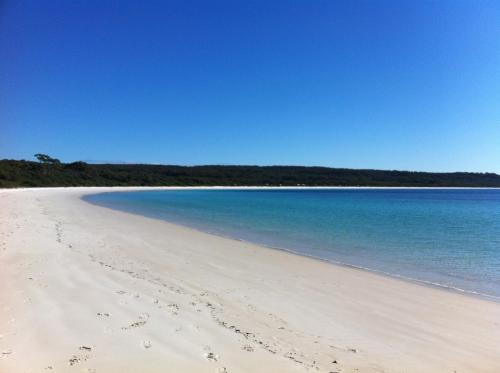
{"type": "Point", "coordinates": [45, 159]}
{"type": "Point", "coordinates": [77, 166]}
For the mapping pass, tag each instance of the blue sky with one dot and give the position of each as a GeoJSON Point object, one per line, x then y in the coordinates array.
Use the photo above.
{"type": "Point", "coordinates": [364, 84]}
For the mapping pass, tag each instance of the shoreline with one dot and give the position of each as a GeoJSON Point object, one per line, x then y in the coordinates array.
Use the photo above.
{"type": "Point", "coordinates": [222, 187]}
{"type": "Point", "coordinates": [106, 290]}
{"type": "Point", "coordinates": [417, 281]}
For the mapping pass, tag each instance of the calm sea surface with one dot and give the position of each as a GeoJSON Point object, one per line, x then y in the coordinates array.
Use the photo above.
{"type": "Point", "coordinates": [449, 237]}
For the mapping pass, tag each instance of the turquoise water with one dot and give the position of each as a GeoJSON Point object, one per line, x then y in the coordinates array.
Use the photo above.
{"type": "Point", "coordinates": [449, 237]}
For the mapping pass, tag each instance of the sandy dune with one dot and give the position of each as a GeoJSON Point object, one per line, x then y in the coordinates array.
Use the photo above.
{"type": "Point", "coordinates": [88, 289]}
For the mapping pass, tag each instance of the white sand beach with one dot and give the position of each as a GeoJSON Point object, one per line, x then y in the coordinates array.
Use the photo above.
{"type": "Point", "coordinates": [89, 289]}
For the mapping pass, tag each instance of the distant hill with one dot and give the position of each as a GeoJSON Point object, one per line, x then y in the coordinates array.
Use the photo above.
{"type": "Point", "coordinates": [20, 173]}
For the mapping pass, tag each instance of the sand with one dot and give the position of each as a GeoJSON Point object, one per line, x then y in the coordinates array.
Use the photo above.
{"type": "Point", "coordinates": [89, 289]}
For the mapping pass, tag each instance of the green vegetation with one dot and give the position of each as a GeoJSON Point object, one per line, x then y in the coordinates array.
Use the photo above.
{"type": "Point", "coordinates": [51, 172]}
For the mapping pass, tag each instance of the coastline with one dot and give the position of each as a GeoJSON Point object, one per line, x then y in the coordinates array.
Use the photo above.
{"type": "Point", "coordinates": [401, 277]}
{"type": "Point", "coordinates": [256, 309]}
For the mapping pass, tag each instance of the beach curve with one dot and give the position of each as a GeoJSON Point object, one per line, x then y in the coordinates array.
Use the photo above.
{"type": "Point", "coordinates": [105, 290]}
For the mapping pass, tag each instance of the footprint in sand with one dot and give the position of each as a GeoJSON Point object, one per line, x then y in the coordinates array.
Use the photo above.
{"type": "Point", "coordinates": [143, 319]}
{"type": "Point", "coordinates": [74, 360]}
{"type": "Point", "coordinates": [174, 308]}
{"type": "Point", "coordinates": [210, 356]}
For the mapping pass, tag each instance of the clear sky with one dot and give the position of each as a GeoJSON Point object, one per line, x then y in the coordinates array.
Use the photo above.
{"type": "Point", "coordinates": [365, 84]}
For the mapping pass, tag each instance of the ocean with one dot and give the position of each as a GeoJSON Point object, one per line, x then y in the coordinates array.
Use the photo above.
{"type": "Point", "coordinates": [442, 237]}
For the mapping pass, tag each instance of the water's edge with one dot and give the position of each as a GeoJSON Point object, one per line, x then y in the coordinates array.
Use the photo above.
{"type": "Point", "coordinates": [416, 281]}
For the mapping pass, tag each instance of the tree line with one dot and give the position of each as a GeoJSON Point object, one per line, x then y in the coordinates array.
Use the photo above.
{"type": "Point", "coordinates": [50, 172]}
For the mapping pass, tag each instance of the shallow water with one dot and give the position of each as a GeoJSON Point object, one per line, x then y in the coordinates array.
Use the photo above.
{"type": "Point", "coordinates": [449, 237]}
